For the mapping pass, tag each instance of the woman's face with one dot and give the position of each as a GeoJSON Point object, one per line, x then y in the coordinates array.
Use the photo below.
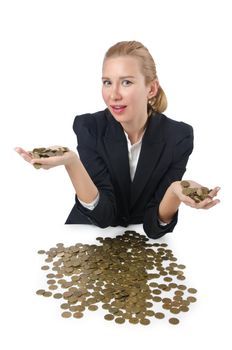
{"type": "Point", "coordinates": [124, 90]}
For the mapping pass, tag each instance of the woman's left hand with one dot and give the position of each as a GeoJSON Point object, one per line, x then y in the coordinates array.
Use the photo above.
{"type": "Point", "coordinates": [207, 203]}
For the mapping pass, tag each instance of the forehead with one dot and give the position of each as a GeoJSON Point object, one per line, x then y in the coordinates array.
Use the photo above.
{"type": "Point", "coordinates": [121, 66]}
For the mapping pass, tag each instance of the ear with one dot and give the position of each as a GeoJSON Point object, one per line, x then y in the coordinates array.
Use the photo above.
{"type": "Point", "coordinates": [154, 86]}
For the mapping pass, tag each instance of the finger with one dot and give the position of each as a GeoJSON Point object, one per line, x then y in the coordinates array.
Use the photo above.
{"type": "Point", "coordinates": [20, 150]}
{"type": "Point", "coordinates": [214, 192]}
{"type": "Point", "coordinates": [24, 154]}
{"type": "Point", "coordinates": [211, 204]}
{"type": "Point", "coordinates": [204, 203]}
{"type": "Point", "coordinates": [45, 161]}
{"type": "Point", "coordinates": [188, 201]}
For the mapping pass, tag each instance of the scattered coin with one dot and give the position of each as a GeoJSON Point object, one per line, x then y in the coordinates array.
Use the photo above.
{"type": "Point", "coordinates": [78, 314]}
{"type": "Point", "coordinates": [127, 276]}
{"type": "Point", "coordinates": [66, 314]}
{"type": "Point", "coordinates": [174, 320]}
{"type": "Point", "coordinates": [40, 292]}
{"type": "Point", "coordinates": [52, 287]}
{"type": "Point", "coordinates": [159, 315]}
{"type": "Point", "coordinates": [192, 290]}
{"type": "Point", "coordinates": [119, 320]}
{"type": "Point", "coordinates": [93, 307]}
{"type": "Point", "coordinates": [145, 321]}
{"type": "Point", "coordinates": [134, 320]}
{"type": "Point", "coordinates": [109, 317]}
{"type": "Point", "coordinates": [57, 295]}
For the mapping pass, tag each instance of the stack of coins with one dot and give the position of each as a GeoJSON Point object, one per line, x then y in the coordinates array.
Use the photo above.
{"type": "Point", "coordinates": [130, 278]}
{"type": "Point", "coordinates": [198, 194]}
{"type": "Point", "coordinates": [43, 152]}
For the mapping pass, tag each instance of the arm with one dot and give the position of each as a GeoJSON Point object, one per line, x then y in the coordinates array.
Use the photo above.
{"type": "Point", "coordinates": [164, 204]}
{"type": "Point", "coordinates": [104, 213]}
{"type": "Point", "coordinates": [168, 205]}
{"type": "Point", "coordinates": [84, 187]}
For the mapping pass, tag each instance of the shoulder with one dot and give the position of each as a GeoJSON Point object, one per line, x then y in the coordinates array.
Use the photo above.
{"type": "Point", "coordinates": [90, 121]}
{"type": "Point", "coordinates": [172, 129]}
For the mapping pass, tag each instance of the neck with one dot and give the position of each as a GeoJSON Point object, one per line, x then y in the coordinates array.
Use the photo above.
{"type": "Point", "coordinates": [134, 132]}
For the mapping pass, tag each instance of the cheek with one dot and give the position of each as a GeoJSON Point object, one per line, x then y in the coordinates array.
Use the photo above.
{"type": "Point", "coordinates": [104, 95]}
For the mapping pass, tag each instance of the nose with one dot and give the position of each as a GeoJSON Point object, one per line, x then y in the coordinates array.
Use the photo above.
{"type": "Point", "coordinates": [115, 93]}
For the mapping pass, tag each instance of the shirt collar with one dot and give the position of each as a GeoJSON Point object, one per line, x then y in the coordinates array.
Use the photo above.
{"type": "Point", "coordinates": [136, 143]}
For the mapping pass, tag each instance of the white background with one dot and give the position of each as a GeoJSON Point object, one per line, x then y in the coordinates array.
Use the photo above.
{"type": "Point", "coordinates": [50, 71]}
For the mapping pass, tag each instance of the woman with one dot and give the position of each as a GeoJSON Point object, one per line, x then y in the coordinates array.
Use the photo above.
{"type": "Point", "coordinates": [131, 156]}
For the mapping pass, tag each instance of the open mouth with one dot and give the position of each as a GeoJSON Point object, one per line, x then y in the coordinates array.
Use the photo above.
{"type": "Point", "coordinates": [118, 108]}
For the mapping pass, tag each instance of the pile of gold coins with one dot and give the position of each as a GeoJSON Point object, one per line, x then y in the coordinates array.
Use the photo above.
{"type": "Point", "coordinates": [43, 152]}
{"type": "Point", "coordinates": [131, 279]}
{"type": "Point", "coordinates": [198, 194]}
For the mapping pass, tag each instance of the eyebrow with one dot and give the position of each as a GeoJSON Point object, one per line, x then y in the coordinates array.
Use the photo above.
{"type": "Point", "coordinates": [128, 76]}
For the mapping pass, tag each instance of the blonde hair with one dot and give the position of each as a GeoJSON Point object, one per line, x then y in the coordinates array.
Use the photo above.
{"type": "Point", "coordinates": [137, 49]}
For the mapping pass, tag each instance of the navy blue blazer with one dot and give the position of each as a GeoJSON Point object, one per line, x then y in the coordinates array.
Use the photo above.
{"type": "Point", "coordinates": [102, 147]}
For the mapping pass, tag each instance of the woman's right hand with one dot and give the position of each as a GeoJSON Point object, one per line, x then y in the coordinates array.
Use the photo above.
{"type": "Point", "coordinates": [47, 163]}
{"type": "Point", "coordinates": [24, 154]}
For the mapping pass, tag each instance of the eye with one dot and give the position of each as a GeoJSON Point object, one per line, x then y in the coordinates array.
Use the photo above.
{"type": "Point", "coordinates": [105, 81]}
{"type": "Point", "coordinates": [128, 81]}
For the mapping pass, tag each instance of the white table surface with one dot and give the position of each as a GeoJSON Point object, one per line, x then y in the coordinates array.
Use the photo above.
{"type": "Point", "coordinates": [34, 322]}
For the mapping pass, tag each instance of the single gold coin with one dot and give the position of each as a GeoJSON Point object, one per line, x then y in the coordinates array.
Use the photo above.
{"type": "Point", "coordinates": [47, 294]}
{"type": "Point", "coordinates": [157, 299]}
{"type": "Point", "coordinates": [134, 320]}
{"type": "Point", "coordinates": [41, 251]}
{"type": "Point", "coordinates": [185, 184]}
{"type": "Point", "coordinates": [159, 315]}
{"type": "Point", "coordinates": [53, 287]}
{"type": "Point", "coordinates": [174, 320]}
{"type": "Point", "coordinates": [92, 307]}
{"type": "Point", "coordinates": [184, 308]}
{"type": "Point", "coordinates": [174, 310]}
{"type": "Point", "coordinates": [66, 314]}
{"type": "Point", "coordinates": [192, 290]}
{"type": "Point", "coordinates": [145, 321]}
{"type": "Point", "coordinates": [119, 320]}
{"type": "Point", "coordinates": [57, 295]}
{"type": "Point", "coordinates": [150, 313]}
{"type": "Point", "coordinates": [109, 317]}
{"type": "Point", "coordinates": [40, 292]}
{"type": "Point", "coordinates": [51, 281]}
{"type": "Point", "coordinates": [78, 314]}
{"type": "Point", "coordinates": [191, 299]}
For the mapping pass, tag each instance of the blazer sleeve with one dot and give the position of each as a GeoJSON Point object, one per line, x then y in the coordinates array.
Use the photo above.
{"type": "Point", "coordinates": [84, 127]}
{"type": "Point", "coordinates": [181, 152]}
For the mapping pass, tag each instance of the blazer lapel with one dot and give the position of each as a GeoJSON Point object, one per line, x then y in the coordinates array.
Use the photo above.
{"type": "Point", "coordinates": [151, 151]}
{"type": "Point", "coordinates": [116, 147]}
